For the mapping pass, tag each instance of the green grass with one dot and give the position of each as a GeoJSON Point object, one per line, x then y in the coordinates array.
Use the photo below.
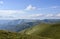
{"type": "Point", "coordinates": [13, 35]}
{"type": "Point", "coordinates": [36, 29]}
{"type": "Point", "coordinates": [41, 31]}
{"type": "Point", "coordinates": [45, 30]}
{"type": "Point", "coordinates": [52, 32]}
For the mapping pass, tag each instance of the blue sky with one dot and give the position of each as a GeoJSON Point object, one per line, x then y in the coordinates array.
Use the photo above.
{"type": "Point", "coordinates": [29, 9]}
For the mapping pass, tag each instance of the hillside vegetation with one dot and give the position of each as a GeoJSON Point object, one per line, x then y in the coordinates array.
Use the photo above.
{"type": "Point", "coordinates": [41, 31]}
{"type": "Point", "coordinates": [44, 30]}
{"type": "Point", "coordinates": [13, 35]}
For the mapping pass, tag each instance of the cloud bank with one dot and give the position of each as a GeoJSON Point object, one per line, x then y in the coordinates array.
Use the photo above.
{"type": "Point", "coordinates": [25, 14]}
{"type": "Point", "coordinates": [19, 14]}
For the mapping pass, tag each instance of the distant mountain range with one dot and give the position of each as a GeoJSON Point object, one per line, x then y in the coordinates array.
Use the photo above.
{"type": "Point", "coordinates": [21, 24]}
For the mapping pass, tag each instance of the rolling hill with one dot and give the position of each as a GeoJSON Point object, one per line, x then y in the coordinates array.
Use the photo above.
{"type": "Point", "coordinates": [14, 35]}
{"type": "Point", "coordinates": [44, 30]}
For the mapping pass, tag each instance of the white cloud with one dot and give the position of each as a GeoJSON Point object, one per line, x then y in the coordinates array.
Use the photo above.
{"type": "Point", "coordinates": [51, 7]}
{"type": "Point", "coordinates": [1, 2]}
{"type": "Point", "coordinates": [49, 15]}
{"type": "Point", "coordinates": [31, 16]}
{"type": "Point", "coordinates": [54, 7]}
{"type": "Point", "coordinates": [36, 15]}
{"type": "Point", "coordinates": [30, 7]}
{"type": "Point", "coordinates": [58, 15]}
{"type": "Point", "coordinates": [39, 16]}
{"type": "Point", "coordinates": [10, 13]}
{"type": "Point", "coordinates": [20, 14]}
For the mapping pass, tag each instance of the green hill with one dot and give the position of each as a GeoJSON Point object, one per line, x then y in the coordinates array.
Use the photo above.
{"type": "Point", "coordinates": [41, 31]}
{"type": "Point", "coordinates": [44, 30]}
{"type": "Point", "coordinates": [13, 35]}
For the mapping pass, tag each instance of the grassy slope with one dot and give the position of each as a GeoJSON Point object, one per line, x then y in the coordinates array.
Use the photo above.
{"type": "Point", "coordinates": [7, 35]}
{"type": "Point", "coordinates": [42, 31]}
{"type": "Point", "coordinates": [53, 32]}
{"type": "Point", "coordinates": [45, 30]}
{"type": "Point", "coordinates": [13, 35]}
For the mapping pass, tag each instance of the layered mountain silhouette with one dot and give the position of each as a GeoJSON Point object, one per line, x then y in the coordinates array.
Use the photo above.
{"type": "Point", "coordinates": [21, 24]}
